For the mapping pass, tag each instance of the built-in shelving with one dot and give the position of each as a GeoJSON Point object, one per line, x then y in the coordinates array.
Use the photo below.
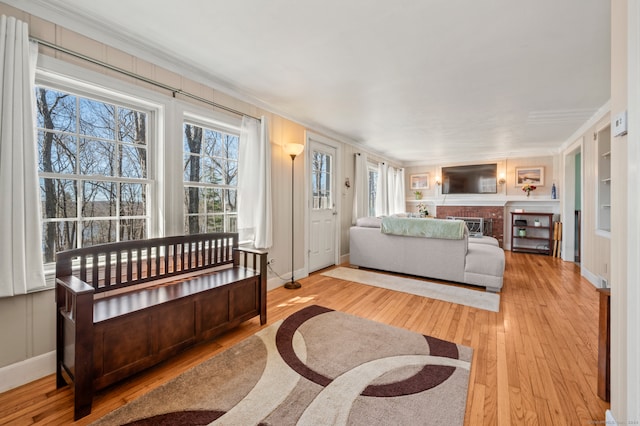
{"type": "Point", "coordinates": [603, 191]}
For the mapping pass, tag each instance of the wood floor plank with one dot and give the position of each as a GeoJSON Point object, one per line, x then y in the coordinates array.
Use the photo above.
{"type": "Point", "coordinates": [502, 372]}
{"type": "Point", "coordinates": [534, 362]}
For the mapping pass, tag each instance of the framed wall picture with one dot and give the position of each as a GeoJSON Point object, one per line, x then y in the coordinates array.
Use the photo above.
{"type": "Point", "coordinates": [419, 181]}
{"type": "Point", "coordinates": [531, 175]}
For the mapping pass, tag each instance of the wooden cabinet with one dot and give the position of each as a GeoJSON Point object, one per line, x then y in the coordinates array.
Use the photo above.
{"type": "Point", "coordinates": [532, 232]}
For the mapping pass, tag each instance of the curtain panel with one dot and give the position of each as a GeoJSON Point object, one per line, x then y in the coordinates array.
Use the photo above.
{"type": "Point", "coordinates": [390, 197]}
{"type": "Point", "coordinates": [21, 265]}
{"type": "Point", "coordinates": [254, 184]}
{"type": "Point", "coordinates": [391, 188]}
{"type": "Point", "coordinates": [397, 199]}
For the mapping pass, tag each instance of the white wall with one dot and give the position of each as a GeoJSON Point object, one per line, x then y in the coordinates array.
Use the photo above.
{"type": "Point", "coordinates": [632, 224]}
{"type": "Point", "coordinates": [625, 231]}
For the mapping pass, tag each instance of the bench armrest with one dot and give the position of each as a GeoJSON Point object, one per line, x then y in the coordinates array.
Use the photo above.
{"type": "Point", "coordinates": [252, 250]}
{"type": "Point", "coordinates": [75, 285]}
{"type": "Point", "coordinates": [251, 258]}
{"type": "Point", "coordinates": [258, 260]}
{"type": "Point", "coordinates": [74, 328]}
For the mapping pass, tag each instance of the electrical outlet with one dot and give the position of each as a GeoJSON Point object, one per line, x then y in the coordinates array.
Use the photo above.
{"type": "Point", "coordinates": [271, 261]}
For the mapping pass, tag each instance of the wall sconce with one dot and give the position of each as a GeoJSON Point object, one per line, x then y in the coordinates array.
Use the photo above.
{"type": "Point", "coordinates": [347, 183]}
{"type": "Point", "coordinates": [501, 179]}
{"type": "Point", "coordinates": [438, 181]}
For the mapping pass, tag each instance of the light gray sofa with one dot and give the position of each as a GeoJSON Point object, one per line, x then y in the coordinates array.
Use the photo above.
{"type": "Point", "coordinates": [476, 261]}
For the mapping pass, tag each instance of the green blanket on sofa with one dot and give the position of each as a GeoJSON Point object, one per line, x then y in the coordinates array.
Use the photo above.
{"type": "Point", "coordinates": [428, 228]}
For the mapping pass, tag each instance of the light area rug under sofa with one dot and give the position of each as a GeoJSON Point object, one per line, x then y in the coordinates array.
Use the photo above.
{"type": "Point", "coordinates": [448, 293]}
{"type": "Point", "coordinates": [316, 367]}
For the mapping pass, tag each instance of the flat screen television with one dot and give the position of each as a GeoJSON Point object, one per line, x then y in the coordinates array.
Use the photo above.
{"type": "Point", "coordinates": [470, 179]}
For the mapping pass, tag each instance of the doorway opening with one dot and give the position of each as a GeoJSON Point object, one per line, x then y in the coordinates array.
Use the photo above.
{"type": "Point", "coordinates": [572, 208]}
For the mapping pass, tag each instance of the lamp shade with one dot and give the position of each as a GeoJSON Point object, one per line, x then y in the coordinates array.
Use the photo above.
{"type": "Point", "coordinates": [293, 148]}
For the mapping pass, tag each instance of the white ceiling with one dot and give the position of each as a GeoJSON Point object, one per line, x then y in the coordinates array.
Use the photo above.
{"type": "Point", "coordinates": [420, 81]}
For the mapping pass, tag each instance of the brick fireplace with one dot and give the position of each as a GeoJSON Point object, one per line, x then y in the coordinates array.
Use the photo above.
{"type": "Point", "coordinates": [495, 214]}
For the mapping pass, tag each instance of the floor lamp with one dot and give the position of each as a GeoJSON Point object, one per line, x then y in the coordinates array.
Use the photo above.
{"type": "Point", "coordinates": [293, 149]}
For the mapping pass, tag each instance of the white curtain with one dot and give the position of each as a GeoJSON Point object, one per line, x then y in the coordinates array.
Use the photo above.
{"type": "Point", "coordinates": [21, 267]}
{"type": "Point", "coordinates": [360, 188]}
{"type": "Point", "coordinates": [395, 191]}
{"type": "Point", "coordinates": [391, 190]}
{"type": "Point", "coordinates": [382, 193]}
{"type": "Point", "coordinates": [397, 195]}
{"type": "Point", "coordinates": [254, 184]}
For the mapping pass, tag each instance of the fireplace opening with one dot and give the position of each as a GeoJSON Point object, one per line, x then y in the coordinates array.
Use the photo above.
{"type": "Point", "coordinates": [477, 226]}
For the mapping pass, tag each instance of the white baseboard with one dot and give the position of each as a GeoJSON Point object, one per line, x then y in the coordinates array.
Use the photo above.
{"type": "Point", "coordinates": [26, 371]}
{"type": "Point", "coordinates": [275, 282]}
{"type": "Point", "coordinates": [591, 277]}
{"type": "Point", "coordinates": [608, 418]}
{"type": "Point", "coordinates": [344, 259]}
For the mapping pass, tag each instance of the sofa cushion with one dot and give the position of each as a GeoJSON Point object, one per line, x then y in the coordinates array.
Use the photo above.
{"type": "Point", "coordinates": [484, 240]}
{"type": "Point", "coordinates": [484, 265]}
{"type": "Point", "coordinates": [369, 222]}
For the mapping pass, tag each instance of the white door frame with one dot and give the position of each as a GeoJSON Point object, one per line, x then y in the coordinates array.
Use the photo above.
{"type": "Point", "coordinates": [309, 137]}
{"type": "Point", "coordinates": [568, 200]}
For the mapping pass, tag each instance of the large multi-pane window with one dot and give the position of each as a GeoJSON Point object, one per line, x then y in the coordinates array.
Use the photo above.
{"type": "Point", "coordinates": [210, 179]}
{"type": "Point", "coordinates": [93, 168]}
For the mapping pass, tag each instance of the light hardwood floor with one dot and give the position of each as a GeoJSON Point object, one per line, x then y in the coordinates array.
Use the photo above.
{"type": "Point", "coordinates": [534, 362]}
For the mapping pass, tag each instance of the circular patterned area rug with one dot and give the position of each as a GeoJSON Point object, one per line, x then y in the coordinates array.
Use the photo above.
{"type": "Point", "coordinates": [316, 367]}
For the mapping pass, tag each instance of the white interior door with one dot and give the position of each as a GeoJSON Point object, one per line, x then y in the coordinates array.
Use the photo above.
{"type": "Point", "coordinates": [323, 212]}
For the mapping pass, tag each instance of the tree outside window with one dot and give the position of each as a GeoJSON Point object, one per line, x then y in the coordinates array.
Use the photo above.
{"type": "Point", "coordinates": [210, 179]}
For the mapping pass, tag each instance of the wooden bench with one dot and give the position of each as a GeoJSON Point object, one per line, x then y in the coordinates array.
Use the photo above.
{"type": "Point", "coordinates": [123, 307]}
